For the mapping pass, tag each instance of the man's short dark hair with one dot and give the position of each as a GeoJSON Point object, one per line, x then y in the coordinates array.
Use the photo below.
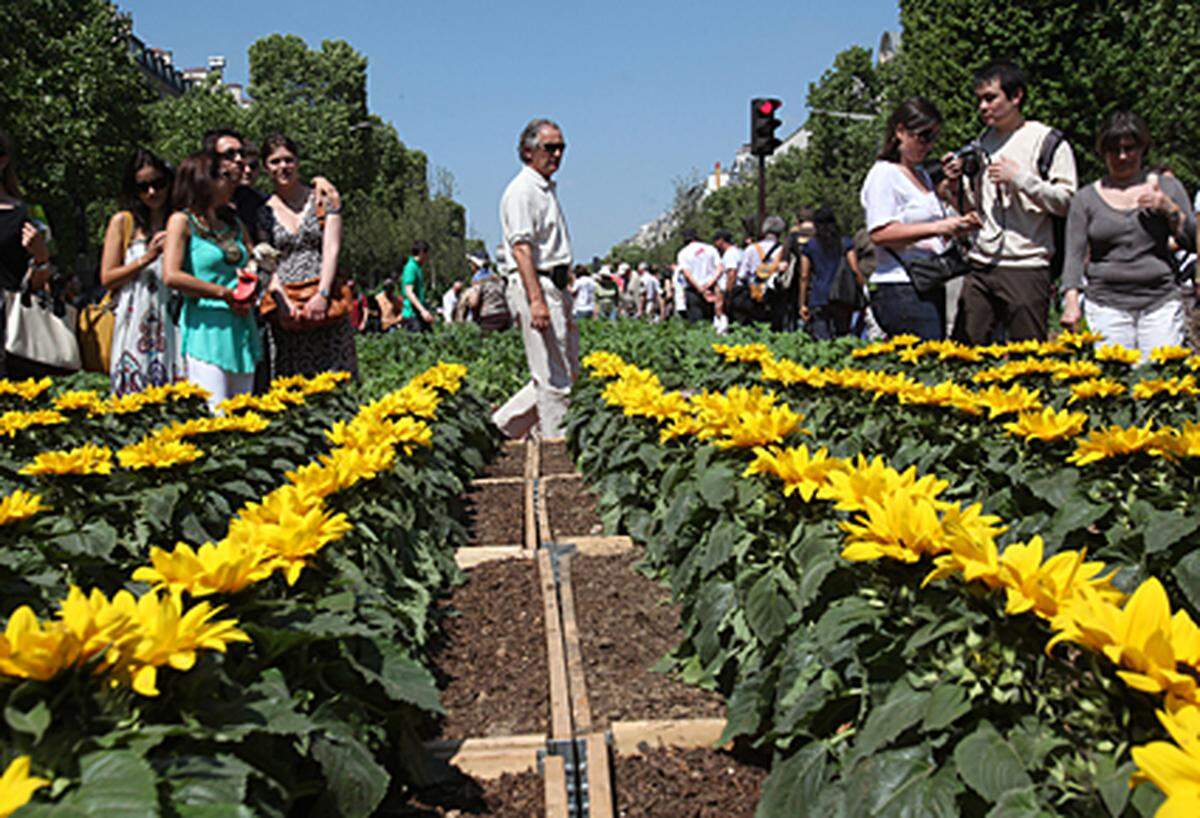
{"type": "Point", "coordinates": [419, 246]}
{"type": "Point", "coordinates": [723, 235]}
{"type": "Point", "coordinates": [1007, 73]}
{"type": "Point", "coordinates": [689, 235]}
{"type": "Point", "coordinates": [214, 135]}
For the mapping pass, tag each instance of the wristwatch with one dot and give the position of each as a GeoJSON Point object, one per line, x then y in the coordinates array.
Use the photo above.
{"type": "Point", "coordinates": [324, 293]}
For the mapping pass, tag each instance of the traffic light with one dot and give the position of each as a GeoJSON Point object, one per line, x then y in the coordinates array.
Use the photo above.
{"type": "Point", "coordinates": [763, 123]}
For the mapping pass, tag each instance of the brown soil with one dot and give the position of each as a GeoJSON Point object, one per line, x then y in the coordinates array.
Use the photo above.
{"type": "Point", "coordinates": [674, 783]}
{"type": "Point", "coordinates": [491, 656]}
{"type": "Point", "coordinates": [556, 459]}
{"type": "Point", "coordinates": [509, 796]}
{"type": "Point", "coordinates": [571, 506]}
{"type": "Point", "coordinates": [496, 514]}
{"type": "Point", "coordinates": [625, 627]}
{"type": "Point", "coordinates": [509, 462]}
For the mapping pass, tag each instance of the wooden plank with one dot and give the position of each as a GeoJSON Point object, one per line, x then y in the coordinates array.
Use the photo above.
{"type": "Point", "coordinates": [555, 782]}
{"type": "Point", "coordinates": [630, 736]}
{"type": "Point", "coordinates": [474, 555]}
{"type": "Point", "coordinates": [601, 798]}
{"type": "Point", "coordinates": [560, 692]}
{"type": "Point", "coordinates": [599, 546]}
{"type": "Point", "coordinates": [581, 709]}
{"type": "Point", "coordinates": [479, 482]}
{"type": "Point", "coordinates": [572, 476]}
{"type": "Point", "coordinates": [545, 532]}
{"type": "Point", "coordinates": [555, 440]}
{"type": "Point", "coordinates": [533, 459]}
{"type": "Point", "coordinates": [489, 758]}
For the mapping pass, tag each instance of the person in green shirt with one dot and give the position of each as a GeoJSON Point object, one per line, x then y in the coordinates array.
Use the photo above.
{"type": "Point", "coordinates": [414, 315]}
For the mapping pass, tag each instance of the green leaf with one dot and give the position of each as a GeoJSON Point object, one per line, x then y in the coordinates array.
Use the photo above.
{"type": "Point", "coordinates": [1112, 782]}
{"type": "Point", "coordinates": [793, 786]}
{"type": "Point", "coordinates": [947, 703]}
{"type": "Point", "coordinates": [767, 607]}
{"type": "Point", "coordinates": [717, 486]}
{"type": "Point", "coordinates": [402, 678]}
{"type": "Point", "coordinates": [33, 721]}
{"type": "Point", "coordinates": [115, 784]}
{"type": "Point", "coordinates": [1165, 528]}
{"type": "Point", "coordinates": [988, 763]}
{"type": "Point", "coordinates": [903, 783]}
{"type": "Point", "coordinates": [1075, 516]}
{"type": "Point", "coordinates": [1022, 803]}
{"type": "Point", "coordinates": [217, 779]}
{"type": "Point", "coordinates": [354, 781]}
{"type": "Point", "coordinates": [903, 708]}
{"type": "Point", "coordinates": [1187, 574]}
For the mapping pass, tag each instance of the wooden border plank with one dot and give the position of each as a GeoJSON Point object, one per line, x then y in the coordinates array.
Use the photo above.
{"type": "Point", "coordinates": [480, 482]}
{"type": "Point", "coordinates": [629, 736]}
{"type": "Point", "coordinates": [555, 782]}
{"type": "Point", "coordinates": [580, 707]}
{"type": "Point", "coordinates": [602, 800]}
{"type": "Point", "coordinates": [555, 477]}
{"type": "Point", "coordinates": [473, 555]}
{"type": "Point", "coordinates": [489, 758]}
{"type": "Point", "coordinates": [599, 546]}
{"type": "Point", "coordinates": [533, 459]}
{"type": "Point", "coordinates": [560, 692]}
{"type": "Point", "coordinates": [545, 533]}
{"type": "Point", "coordinates": [530, 537]}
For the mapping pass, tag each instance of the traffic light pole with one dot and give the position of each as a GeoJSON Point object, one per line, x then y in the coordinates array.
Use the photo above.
{"type": "Point", "coordinates": [762, 195]}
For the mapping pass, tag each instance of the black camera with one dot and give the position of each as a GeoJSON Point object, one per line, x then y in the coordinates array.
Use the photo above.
{"type": "Point", "coordinates": [972, 156]}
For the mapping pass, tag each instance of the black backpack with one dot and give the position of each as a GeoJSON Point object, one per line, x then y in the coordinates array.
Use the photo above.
{"type": "Point", "coordinates": [1045, 159]}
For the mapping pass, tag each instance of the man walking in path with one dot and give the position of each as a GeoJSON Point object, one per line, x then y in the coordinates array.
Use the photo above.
{"type": "Point", "coordinates": [538, 251]}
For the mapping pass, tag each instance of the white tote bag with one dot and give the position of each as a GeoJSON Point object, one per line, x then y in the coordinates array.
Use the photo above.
{"type": "Point", "coordinates": [33, 331]}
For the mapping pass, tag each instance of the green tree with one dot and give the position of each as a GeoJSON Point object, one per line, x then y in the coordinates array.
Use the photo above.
{"type": "Point", "coordinates": [71, 98]}
{"type": "Point", "coordinates": [177, 124]}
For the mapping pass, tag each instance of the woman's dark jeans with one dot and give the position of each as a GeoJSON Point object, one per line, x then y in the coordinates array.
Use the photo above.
{"type": "Point", "coordinates": [900, 309]}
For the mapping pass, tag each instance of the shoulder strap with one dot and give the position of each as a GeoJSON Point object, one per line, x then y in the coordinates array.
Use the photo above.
{"type": "Point", "coordinates": [1046, 154]}
{"type": "Point", "coordinates": [126, 232]}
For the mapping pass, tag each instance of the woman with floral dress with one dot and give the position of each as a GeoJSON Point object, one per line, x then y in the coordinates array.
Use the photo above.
{"type": "Point", "coordinates": [308, 242]}
{"type": "Point", "coordinates": [145, 342]}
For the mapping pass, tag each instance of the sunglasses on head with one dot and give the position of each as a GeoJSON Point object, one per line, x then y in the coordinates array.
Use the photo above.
{"type": "Point", "coordinates": [158, 183]}
{"type": "Point", "coordinates": [554, 147]}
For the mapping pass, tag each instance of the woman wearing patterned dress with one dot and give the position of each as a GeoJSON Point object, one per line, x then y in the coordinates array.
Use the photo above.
{"type": "Point", "coordinates": [308, 246]}
{"type": "Point", "coordinates": [145, 342]}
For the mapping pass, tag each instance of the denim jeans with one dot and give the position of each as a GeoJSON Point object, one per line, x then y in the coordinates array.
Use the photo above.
{"type": "Point", "coordinates": [900, 309]}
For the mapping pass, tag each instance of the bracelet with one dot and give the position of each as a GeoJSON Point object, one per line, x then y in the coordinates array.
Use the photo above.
{"type": "Point", "coordinates": [324, 293]}
{"type": "Point", "coordinates": [38, 266]}
{"type": "Point", "coordinates": [333, 211]}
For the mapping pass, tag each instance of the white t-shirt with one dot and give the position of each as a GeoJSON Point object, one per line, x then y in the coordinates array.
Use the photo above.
{"type": "Point", "coordinates": [702, 261]}
{"type": "Point", "coordinates": [888, 195]}
{"type": "Point", "coordinates": [650, 288]}
{"type": "Point", "coordinates": [585, 293]}
{"type": "Point", "coordinates": [1196, 206]}
{"type": "Point", "coordinates": [530, 213]}
{"type": "Point", "coordinates": [730, 260]}
{"type": "Point", "coordinates": [449, 302]}
{"type": "Point", "coordinates": [680, 295]}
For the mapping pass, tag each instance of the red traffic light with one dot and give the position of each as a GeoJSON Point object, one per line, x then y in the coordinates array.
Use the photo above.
{"type": "Point", "coordinates": [766, 107]}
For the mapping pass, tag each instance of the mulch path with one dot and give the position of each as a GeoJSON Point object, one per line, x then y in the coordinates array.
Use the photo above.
{"type": "Point", "coordinates": [490, 658]}
{"type": "Point", "coordinates": [509, 796]}
{"type": "Point", "coordinates": [674, 783]}
{"type": "Point", "coordinates": [509, 462]}
{"type": "Point", "coordinates": [556, 459]}
{"type": "Point", "coordinates": [571, 506]}
{"type": "Point", "coordinates": [625, 627]}
{"type": "Point", "coordinates": [496, 514]}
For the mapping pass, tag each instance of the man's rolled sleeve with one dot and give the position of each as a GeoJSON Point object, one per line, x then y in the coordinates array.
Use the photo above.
{"type": "Point", "coordinates": [516, 219]}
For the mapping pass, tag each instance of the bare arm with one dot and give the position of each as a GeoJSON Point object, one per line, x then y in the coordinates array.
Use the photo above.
{"type": "Point", "coordinates": [411, 294]}
{"type": "Point", "coordinates": [805, 272]}
{"type": "Point", "coordinates": [539, 313]}
{"type": "Point", "coordinates": [175, 276]}
{"type": "Point", "coordinates": [852, 260]}
{"type": "Point", "coordinates": [898, 235]}
{"type": "Point", "coordinates": [113, 271]}
{"type": "Point", "coordinates": [331, 245]}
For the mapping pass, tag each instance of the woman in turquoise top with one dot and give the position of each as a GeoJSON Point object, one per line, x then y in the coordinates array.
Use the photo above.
{"type": "Point", "coordinates": [206, 245]}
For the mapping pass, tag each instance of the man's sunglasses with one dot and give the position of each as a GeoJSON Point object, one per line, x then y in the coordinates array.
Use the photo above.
{"type": "Point", "coordinates": [554, 147]}
{"type": "Point", "coordinates": [232, 153]}
{"type": "Point", "coordinates": [152, 184]}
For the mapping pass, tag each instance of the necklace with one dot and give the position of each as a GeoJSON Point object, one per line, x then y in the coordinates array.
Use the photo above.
{"type": "Point", "coordinates": [226, 239]}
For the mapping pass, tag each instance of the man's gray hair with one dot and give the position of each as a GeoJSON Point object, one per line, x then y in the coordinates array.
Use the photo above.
{"type": "Point", "coordinates": [529, 136]}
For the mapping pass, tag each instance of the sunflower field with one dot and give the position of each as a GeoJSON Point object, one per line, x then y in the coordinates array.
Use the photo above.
{"type": "Point", "coordinates": [931, 579]}
{"type": "Point", "coordinates": [225, 615]}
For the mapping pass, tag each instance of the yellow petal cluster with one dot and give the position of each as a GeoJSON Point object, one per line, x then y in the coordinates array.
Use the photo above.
{"type": "Point", "coordinates": [1047, 425]}
{"type": "Point", "coordinates": [1117, 354]}
{"type": "Point", "coordinates": [20, 505]}
{"type": "Point", "coordinates": [13, 422]}
{"type": "Point", "coordinates": [1096, 388]}
{"type": "Point", "coordinates": [1116, 441]}
{"type": "Point", "coordinates": [17, 786]}
{"type": "Point", "coordinates": [801, 472]}
{"type": "Point", "coordinates": [88, 459]}
{"type": "Point", "coordinates": [1169, 354]}
{"type": "Point", "coordinates": [157, 453]}
{"type": "Point", "coordinates": [1171, 387]}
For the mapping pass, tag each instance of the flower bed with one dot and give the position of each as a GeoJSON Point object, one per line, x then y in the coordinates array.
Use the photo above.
{"type": "Point", "coordinates": [804, 572]}
{"type": "Point", "coordinates": [274, 661]}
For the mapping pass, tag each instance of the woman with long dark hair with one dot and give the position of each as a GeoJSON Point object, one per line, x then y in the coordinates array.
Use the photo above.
{"type": "Point", "coordinates": [907, 220]}
{"type": "Point", "coordinates": [1119, 233]}
{"type": "Point", "coordinates": [307, 340]}
{"type": "Point", "coordinates": [23, 247]}
{"type": "Point", "coordinates": [819, 263]}
{"type": "Point", "coordinates": [206, 246]}
{"type": "Point", "coordinates": [145, 343]}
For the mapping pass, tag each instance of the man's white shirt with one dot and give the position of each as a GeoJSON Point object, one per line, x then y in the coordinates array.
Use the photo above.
{"type": "Point", "coordinates": [530, 213]}
{"type": "Point", "coordinates": [702, 260]}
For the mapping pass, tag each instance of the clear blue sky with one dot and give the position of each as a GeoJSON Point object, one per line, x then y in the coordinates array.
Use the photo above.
{"type": "Point", "coordinates": [646, 92]}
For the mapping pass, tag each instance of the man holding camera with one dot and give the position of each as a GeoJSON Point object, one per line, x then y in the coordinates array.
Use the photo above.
{"type": "Point", "coordinates": [538, 260]}
{"type": "Point", "coordinates": [1006, 296]}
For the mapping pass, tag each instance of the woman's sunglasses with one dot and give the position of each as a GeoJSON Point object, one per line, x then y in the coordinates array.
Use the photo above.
{"type": "Point", "coordinates": [152, 184]}
{"type": "Point", "coordinates": [927, 136]}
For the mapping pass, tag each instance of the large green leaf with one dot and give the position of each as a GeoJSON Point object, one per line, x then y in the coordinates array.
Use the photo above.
{"type": "Point", "coordinates": [1022, 803]}
{"type": "Point", "coordinates": [355, 782]}
{"type": "Point", "coordinates": [717, 485]}
{"type": "Point", "coordinates": [903, 708]}
{"type": "Point", "coordinates": [1187, 574]}
{"type": "Point", "coordinates": [1165, 528]}
{"type": "Point", "coordinates": [947, 703]}
{"type": "Point", "coordinates": [113, 784]}
{"type": "Point", "coordinates": [904, 783]}
{"type": "Point", "coordinates": [989, 764]}
{"type": "Point", "coordinates": [793, 787]}
{"type": "Point", "coordinates": [767, 606]}
{"type": "Point", "coordinates": [398, 674]}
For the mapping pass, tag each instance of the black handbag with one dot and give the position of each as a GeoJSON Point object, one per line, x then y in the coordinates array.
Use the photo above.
{"type": "Point", "coordinates": [845, 289]}
{"type": "Point", "coordinates": [929, 274]}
